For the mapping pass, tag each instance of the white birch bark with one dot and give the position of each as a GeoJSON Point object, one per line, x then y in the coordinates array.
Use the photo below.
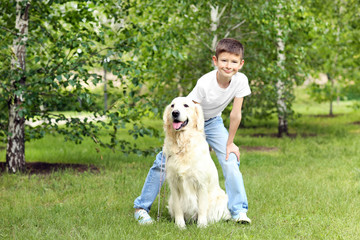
{"type": "Point", "coordinates": [15, 153]}
{"type": "Point", "coordinates": [215, 21]}
{"type": "Point", "coordinates": [281, 105]}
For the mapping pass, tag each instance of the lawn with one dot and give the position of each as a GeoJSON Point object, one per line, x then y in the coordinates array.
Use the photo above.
{"type": "Point", "coordinates": [298, 188]}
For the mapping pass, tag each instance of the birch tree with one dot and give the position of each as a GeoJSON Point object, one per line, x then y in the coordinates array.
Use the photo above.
{"type": "Point", "coordinates": [275, 53]}
{"type": "Point", "coordinates": [15, 152]}
{"type": "Point", "coordinates": [280, 47]}
{"type": "Point", "coordinates": [47, 58]}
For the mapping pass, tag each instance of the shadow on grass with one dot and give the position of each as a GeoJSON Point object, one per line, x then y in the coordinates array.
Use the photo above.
{"type": "Point", "coordinates": [325, 115]}
{"type": "Point", "coordinates": [290, 135]}
{"type": "Point", "coordinates": [259, 149]}
{"type": "Point", "coordinates": [43, 168]}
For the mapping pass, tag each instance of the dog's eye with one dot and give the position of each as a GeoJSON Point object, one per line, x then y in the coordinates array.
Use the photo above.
{"type": "Point", "coordinates": [185, 105]}
{"type": "Point", "coordinates": [172, 105]}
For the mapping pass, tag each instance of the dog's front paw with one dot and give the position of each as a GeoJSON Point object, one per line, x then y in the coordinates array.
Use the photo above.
{"type": "Point", "coordinates": [202, 223]}
{"type": "Point", "coordinates": [180, 223]}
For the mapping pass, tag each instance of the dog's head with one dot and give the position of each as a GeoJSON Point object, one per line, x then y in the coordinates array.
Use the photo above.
{"type": "Point", "coordinates": [182, 114]}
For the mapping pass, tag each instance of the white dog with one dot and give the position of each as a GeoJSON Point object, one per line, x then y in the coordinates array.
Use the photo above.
{"type": "Point", "coordinates": [190, 171]}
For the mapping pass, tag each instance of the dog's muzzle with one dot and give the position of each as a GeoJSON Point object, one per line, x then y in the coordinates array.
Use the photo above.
{"type": "Point", "coordinates": [177, 124]}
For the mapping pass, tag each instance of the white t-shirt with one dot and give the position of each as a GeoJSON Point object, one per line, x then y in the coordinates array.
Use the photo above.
{"type": "Point", "coordinates": [214, 99]}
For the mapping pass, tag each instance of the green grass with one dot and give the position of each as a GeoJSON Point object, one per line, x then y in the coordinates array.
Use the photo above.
{"type": "Point", "coordinates": [308, 189]}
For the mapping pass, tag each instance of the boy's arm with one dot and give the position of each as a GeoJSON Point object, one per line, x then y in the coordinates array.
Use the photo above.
{"type": "Point", "coordinates": [235, 119]}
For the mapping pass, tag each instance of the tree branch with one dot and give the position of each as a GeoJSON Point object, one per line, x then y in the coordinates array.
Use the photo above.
{"type": "Point", "coordinates": [234, 27]}
{"type": "Point", "coordinates": [9, 30]}
{"type": "Point", "coordinates": [206, 45]}
{"type": "Point", "coordinates": [222, 11]}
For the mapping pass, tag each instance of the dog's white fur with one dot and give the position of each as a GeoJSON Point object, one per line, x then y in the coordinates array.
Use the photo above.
{"type": "Point", "coordinates": [190, 171]}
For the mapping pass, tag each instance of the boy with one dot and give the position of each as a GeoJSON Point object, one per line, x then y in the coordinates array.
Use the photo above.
{"type": "Point", "coordinates": [213, 91]}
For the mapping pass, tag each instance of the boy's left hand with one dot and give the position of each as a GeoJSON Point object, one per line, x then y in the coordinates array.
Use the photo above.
{"type": "Point", "coordinates": [232, 148]}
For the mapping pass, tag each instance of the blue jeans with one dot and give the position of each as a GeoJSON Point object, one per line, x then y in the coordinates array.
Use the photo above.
{"type": "Point", "coordinates": [216, 136]}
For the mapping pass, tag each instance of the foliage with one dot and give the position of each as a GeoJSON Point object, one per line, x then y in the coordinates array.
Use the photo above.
{"type": "Point", "coordinates": [333, 45]}
{"type": "Point", "coordinates": [351, 92]}
{"type": "Point", "coordinates": [263, 66]}
{"type": "Point", "coordinates": [66, 41]}
{"type": "Point", "coordinates": [323, 92]}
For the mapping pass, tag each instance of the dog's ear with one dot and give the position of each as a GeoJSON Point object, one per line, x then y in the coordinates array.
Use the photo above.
{"type": "Point", "coordinates": [166, 119]}
{"type": "Point", "coordinates": [199, 117]}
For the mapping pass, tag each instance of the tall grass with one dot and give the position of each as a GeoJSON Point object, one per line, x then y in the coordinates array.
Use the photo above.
{"type": "Point", "coordinates": [309, 188]}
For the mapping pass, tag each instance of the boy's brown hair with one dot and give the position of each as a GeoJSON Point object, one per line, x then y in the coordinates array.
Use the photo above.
{"type": "Point", "coordinates": [229, 45]}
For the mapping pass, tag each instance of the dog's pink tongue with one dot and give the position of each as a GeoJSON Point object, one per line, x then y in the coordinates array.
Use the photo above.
{"type": "Point", "coordinates": [177, 125]}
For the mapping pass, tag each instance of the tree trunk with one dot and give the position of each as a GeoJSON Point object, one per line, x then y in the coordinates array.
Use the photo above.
{"type": "Point", "coordinates": [281, 104]}
{"type": "Point", "coordinates": [215, 21]}
{"type": "Point", "coordinates": [15, 153]}
{"type": "Point", "coordinates": [214, 14]}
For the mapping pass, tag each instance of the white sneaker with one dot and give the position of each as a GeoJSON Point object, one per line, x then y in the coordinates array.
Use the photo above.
{"type": "Point", "coordinates": [241, 218]}
{"type": "Point", "coordinates": [143, 217]}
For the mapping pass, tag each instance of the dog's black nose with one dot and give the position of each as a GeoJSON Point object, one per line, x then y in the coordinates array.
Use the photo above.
{"type": "Point", "coordinates": [175, 113]}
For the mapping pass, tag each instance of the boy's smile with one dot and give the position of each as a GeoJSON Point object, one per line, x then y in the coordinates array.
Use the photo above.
{"type": "Point", "coordinates": [228, 65]}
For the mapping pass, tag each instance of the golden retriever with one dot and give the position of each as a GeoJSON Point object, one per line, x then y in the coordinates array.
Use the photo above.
{"type": "Point", "coordinates": [191, 173]}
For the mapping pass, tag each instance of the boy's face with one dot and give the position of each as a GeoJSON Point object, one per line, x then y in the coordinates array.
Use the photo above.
{"type": "Point", "coordinates": [228, 64]}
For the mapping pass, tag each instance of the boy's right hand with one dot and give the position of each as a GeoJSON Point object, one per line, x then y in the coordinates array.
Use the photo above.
{"type": "Point", "coordinates": [232, 148]}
